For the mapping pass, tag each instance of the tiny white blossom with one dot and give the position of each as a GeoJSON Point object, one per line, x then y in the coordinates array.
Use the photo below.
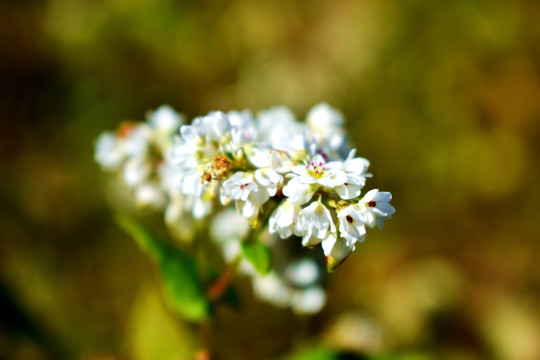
{"type": "Point", "coordinates": [375, 207]}
{"type": "Point", "coordinates": [175, 209]}
{"type": "Point", "coordinates": [268, 180]}
{"type": "Point", "coordinates": [284, 220]}
{"type": "Point", "coordinates": [164, 122]}
{"type": "Point", "coordinates": [306, 179]}
{"type": "Point", "coordinates": [136, 170]}
{"type": "Point", "coordinates": [150, 194]}
{"type": "Point", "coordinates": [249, 193]}
{"type": "Point", "coordinates": [336, 250]}
{"type": "Point", "coordinates": [239, 186]}
{"type": "Point", "coordinates": [201, 140]}
{"type": "Point", "coordinates": [271, 288]}
{"type": "Point", "coordinates": [351, 224]}
{"type": "Point", "coordinates": [108, 151]}
{"type": "Point", "coordinates": [242, 127]}
{"type": "Point", "coordinates": [192, 185]}
{"type": "Point", "coordinates": [216, 125]}
{"type": "Point", "coordinates": [298, 193]}
{"type": "Point", "coordinates": [228, 224]}
{"type": "Point", "coordinates": [318, 171]}
{"type": "Point", "coordinates": [303, 272]}
{"type": "Point", "coordinates": [355, 171]}
{"type": "Point", "coordinates": [326, 125]}
{"type": "Point", "coordinates": [323, 120]}
{"type": "Point", "coordinates": [165, 119]}
{"type": "Point", "coordinates": [200, 208]}
{"type": "Point", "coordinates": [135, 139]}
{"type": "Point", "coordinates": [308, 301]}
{"type": "Point", "coordinates": [315, 224]}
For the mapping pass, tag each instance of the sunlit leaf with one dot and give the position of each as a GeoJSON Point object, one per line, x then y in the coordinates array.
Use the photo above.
{"type": "Point", "coordinates": [153, 334]}
{"type": "Point", "coordinates": [184, 292]}
{"type": "Point", "coordinates": [313, 353]}
{"type": "Point", "coordinates": [408, 356]}
{"type": "Point", "coordinates": [258, 255]}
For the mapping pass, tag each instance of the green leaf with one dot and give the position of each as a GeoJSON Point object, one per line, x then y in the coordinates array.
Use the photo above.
{"type": "Point", "coordinates": [258, 255]}
{"type": "Point", "coordinates": [183, 290]}
{"type": "Point", "coordinates": [408, 356]}
{"type": "Point", "coordinates": [313, 353]}
{"type": "Point", "coordinates": [148, 317]}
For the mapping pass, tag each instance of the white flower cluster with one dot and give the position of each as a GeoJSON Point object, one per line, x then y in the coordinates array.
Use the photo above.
{"type": "Point", "coordinates": [296, 179]}
{"type": "Point", "coordinates": [139, 152]}
{"type": "Point", "coordinates": [316, 188]}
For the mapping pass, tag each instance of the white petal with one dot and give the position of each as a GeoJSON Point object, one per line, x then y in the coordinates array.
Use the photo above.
{"type": "Point", "coordinates": [259, 158]}
{"type": "Point", "coordinates": [339, 178]}
{"type": "Point", "coordinates": [297, 192]}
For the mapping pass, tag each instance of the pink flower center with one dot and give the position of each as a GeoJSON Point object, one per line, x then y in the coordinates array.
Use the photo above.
{"type": "Point", "coordinates": [316, 170]}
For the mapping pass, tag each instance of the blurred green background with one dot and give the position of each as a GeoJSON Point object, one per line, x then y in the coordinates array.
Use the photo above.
{"type": "Point", "coordinates": [442, 97]}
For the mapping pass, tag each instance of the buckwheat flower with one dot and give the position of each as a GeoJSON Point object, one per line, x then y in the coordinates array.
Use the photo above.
{"type": "Point", "coordinates": [298, 193]}
{"type": "Point", "coordinates": [198, 196]}
{"type": "Point", "coordinates": [315, 224]}
{"type": "Point", "coordinates": [200, 208]}
{"type": "Point", "coordinates": [271, 288]}
{"type": "Point", "coordinates": [302, 272]}
{"type": "Point", "coordinates": [268, 179]}
{"type": "Point", "coordinates": [201, 141]}
{"type": "Point", "coordinates": [262, 157]}
{"type": "Point", "coordinates": [375, 207]}
{"type": "Point", "coordinates": [136, 171]}
{"type": "Point", "coordinates": [306, 179]}
{"type": "Point", "coordinates": [326, 125]}
{"type": "Point", "coordinates": [278, 129]}
{"type": "Point", "coordinates": [258, 157]}
{"type": "Point", "coordinates": [271, 123]}
{"type": "Point", "coordinates": [193, 185]}
{"type": "Point", "coordinates": [165, 119]}
{"type": "Point", "coordinates": [318, 171]}
{"type": "Point", "coordinates": [243, 128]}
{"type": "Point", "coordinates": [216, 125]}
{"type": "Point", "coordinates": [355, 171]}
{"type": "Point", "coordinates": [239, 186]}
{"type": "Point", "coordinates": [191, 138]}
{"type": "Point", "coordinates": [108, 151]}
{"type": "Point", "coordinates": [227, 225]}
{"type": "Point", "coordinates": [248, 195]}
{"type": "Point", "coordinates": [284, 220]}
{"type": "Point", "coordinates": [308, 301]}
{"type": "Point", "coordinates": [175, 209]}
{"type": "Point", "coordinates": [130, 140]}
{"type": "Point", "coordinates": [135, 139]}
{"type": "Point", "coordinates": [150, 194]}
{"type": "Point", "coordinates": [164, 122]}
{"type": "Point", "coordinates": [336, 250]}
{"type": "Point", "coordinates": [351, 225]}
{"type": "Point", "coordinates": [323, 119]}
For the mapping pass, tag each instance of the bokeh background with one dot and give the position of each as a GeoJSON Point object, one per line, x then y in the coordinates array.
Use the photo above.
{"type": "Point", "coordinates": [442, 97]}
